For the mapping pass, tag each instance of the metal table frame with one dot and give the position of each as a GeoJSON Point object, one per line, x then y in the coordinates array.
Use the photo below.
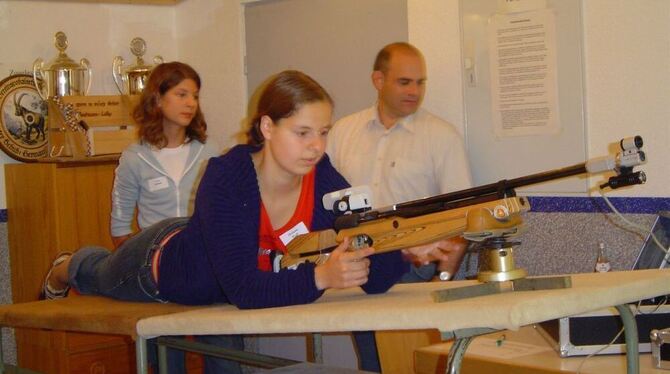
{"type": "Point", "coordinates": [462, 339]}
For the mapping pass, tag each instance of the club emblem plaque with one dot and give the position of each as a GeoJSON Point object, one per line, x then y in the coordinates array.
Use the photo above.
{"type": "Point", "coordinates": [23, 119]}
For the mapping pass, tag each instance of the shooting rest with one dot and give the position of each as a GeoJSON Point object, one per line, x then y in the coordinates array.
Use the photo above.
{"type": "Point", "coordinates": [499, 255]}
{"type": "Point", "coordinates": [502, 276]}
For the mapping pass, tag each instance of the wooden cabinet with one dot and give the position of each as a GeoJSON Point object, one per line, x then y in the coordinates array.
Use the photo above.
{"type": "Point", "coordinates": [55, 207]}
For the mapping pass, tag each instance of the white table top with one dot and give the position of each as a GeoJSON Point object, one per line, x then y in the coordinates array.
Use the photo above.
{"type": "Point", "coordinates": [410, 306]}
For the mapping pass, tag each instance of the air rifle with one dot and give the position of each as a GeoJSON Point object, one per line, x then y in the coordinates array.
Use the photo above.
{"type": "Point", "coordinates": [488, 213]}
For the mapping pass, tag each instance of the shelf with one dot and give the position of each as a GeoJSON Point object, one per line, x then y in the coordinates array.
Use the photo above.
{"type": "Point", "coordinates": [131, 2]}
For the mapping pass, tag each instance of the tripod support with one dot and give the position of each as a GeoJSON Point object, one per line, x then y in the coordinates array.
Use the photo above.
{"type": "Point", "coordinates": [503, 276]}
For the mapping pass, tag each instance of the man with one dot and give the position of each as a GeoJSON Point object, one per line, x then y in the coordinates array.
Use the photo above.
{"type": "Point", "coordinates": [402, 152]}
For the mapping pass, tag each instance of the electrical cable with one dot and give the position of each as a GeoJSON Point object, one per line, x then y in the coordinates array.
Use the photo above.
{"type": "Point", "coordinates": [634, 225]}
{"type": "Point", "coordinates": [579, 368]}
{"type": "Point", "coordinates": [637, 310]}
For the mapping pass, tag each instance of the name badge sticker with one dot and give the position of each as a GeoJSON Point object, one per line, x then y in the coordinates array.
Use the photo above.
{"type": "Point", "coordinates": [289, 235]}
{"type": "Point", "coordinates": [157, 184]}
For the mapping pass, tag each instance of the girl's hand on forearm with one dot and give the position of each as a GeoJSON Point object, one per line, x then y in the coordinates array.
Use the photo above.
{"type": "Point", "coordinates": [455, 249]}
{"type": "Point", "coordinates": [424, 254]}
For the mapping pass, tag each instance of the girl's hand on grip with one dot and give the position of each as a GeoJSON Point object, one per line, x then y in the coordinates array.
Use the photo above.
{"type": "Point", "coordinates": [344, 268]}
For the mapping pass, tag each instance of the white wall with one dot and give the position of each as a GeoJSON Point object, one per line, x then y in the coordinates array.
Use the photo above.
{"type": "Point", "coordinates": [627, 55]}
{"type": "Point", "coordinates": [434, 28]}
{"type": "Point", "coordinates": [627, 68]}
{"type": "Point", "coordinates": [627, 75]}
{"type": "Point", "coordinates": [203, 33]}
{"type": "Point", "coordinates": [209, 37]}
{"type": "Point", "coordinates": [95, 31]}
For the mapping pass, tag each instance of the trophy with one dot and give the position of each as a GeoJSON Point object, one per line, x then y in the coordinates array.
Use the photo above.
{"type": "Point", "coordinates": [61, 76]}
{"type": "Point", "coordinates": [132, 79]}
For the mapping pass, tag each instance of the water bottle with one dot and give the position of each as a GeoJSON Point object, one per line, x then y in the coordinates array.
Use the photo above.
{"type": "Point", "coordinates": [602, 263]}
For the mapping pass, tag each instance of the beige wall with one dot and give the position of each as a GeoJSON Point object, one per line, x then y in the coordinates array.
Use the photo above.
{"type": "Point", "coordinates": [97, 32]}
{"type": "Point", "coordinates": [426, 19]}
{"type": "Point", "coordinates": [627, 69]}
{"type": "Point", "coordinates": [209, 36]}
{"type": "Point", "coordinates": [626, 57]}
{"type": "Point", "coordinates": [627, 75]}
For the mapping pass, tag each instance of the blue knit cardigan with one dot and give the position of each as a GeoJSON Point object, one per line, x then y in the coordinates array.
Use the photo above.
{"type": "Point", "coordinates": [215, 258]}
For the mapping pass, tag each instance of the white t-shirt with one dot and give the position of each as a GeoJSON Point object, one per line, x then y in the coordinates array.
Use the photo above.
{"type": "Point", "coordinates": [173, 160]}
{"type": "Point", "coordinates": [420, 156]}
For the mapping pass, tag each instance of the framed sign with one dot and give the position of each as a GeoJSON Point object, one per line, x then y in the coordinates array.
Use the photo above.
{"type": "Point", "coordinates": [23, 119]}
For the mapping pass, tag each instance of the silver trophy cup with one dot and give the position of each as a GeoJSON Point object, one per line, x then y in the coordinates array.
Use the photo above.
{"type": "Point", "coordinates": [62, 76]}
{"type": "Point", "coordinates": [131, 80]}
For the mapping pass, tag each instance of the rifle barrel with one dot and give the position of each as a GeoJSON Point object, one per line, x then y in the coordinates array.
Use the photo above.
{"type": "Point", "coordinates": [456, 199]}
{"type": "Point", "coordinates": [501, 189]}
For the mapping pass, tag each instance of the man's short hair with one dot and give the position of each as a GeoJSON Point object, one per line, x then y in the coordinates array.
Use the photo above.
{"type": "Point", "coordinates": [384, 55]}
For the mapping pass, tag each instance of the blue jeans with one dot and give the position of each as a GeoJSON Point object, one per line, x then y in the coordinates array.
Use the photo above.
{"type": "Point", "coordinates": [215, 365]}
{"type": "Point", "coordinates": [366, 344]}
{"type": "Point", "coordinates": [125, 274]}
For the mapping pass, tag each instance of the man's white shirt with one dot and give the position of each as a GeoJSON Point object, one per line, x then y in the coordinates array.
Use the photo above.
{"type": "Point", "coordinates": [420, 156]}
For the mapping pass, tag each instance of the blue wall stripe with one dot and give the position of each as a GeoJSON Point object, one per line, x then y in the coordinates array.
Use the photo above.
{"type": "Point", "coordinates": [3, 215]}
{"type": "Point", "coordinates": [634, 205]}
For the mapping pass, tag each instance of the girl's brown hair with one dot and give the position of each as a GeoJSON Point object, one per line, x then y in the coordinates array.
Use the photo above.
{"type": "Point", "coordinates": [149, 116]}
{"type": "Point", "coordinates": [282, 97]}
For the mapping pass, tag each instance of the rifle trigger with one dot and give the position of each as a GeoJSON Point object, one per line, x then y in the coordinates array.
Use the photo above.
{"type": "Point", "coordinates": [361, 241]}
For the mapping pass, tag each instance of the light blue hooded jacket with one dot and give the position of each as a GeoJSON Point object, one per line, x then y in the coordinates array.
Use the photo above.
{"type": "Point", "coordinates": [141, 181]}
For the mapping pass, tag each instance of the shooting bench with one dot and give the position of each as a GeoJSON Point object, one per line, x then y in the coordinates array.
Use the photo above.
{"type": "Point", "coordinates": [403, 307]}
{"type": "Point", "coordinates": [89, 314]}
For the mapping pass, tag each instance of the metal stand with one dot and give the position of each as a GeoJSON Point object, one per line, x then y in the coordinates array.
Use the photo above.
{"type": "Point", "coordinates": [503, 276]}
{"type": "Point", "coordinates": [243, 357]}
{"type": "Point", "coordinates": [500, 257]}
{"type": "Point", "coordinates": [632, 339]}
{"type": "Point", "coordinates": [141, 355]}
{"type": "Point", "coordinates": [317, 347]}
{"type": "Point", "coordinates": [462, 339]}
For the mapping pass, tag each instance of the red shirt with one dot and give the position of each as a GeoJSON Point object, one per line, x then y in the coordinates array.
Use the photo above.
{"type": "Point", "coordinates": [270, 240]}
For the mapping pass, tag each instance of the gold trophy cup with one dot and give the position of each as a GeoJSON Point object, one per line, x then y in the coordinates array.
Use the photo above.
{"type": "Point", "coordinates": [62, 76]}
{"type": "Point", "coordinates": [132, 79]}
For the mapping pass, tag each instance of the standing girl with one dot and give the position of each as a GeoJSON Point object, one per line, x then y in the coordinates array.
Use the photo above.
{"type": "Point", "coordinates": [159, 174]}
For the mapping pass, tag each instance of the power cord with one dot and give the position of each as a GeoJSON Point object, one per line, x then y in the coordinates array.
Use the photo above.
{"type": "Point", "coordinates": [579, 368]}
{"type": "Point", "coordinates": [634, 225]}
{"type": "Point", "coordinates": [637, 309]}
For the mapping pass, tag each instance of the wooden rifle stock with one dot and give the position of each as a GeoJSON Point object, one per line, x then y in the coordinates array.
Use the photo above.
{"type": "Point", "coordinates": [474, 222]}
{"type": "Point", "coordinates": [479, 213]}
